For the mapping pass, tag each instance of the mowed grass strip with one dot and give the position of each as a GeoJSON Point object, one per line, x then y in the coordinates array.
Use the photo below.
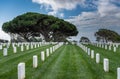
{"type": "Point", "coordinates": [71, 63]}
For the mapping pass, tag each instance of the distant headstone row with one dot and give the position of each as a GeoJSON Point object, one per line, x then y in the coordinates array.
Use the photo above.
{"type": "Point", "coordinates": [23, 46]}
{"type": "Point", "coordinates": [111, 46]}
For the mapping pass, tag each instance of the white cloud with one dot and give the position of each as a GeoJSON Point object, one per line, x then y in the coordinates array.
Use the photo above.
{"type": "Point", "coordinates": [4, 36]}
{"type": "Point", "coordinates": [58, 5]}
{"type": "Point", "coordinates": [55, 13]}
{"type": "Point", "coordinates": [117, 15]}
{"type": "Point", "coordinates": [107, 14]}
{"type": "Point", "coordinates": [106, 7]}
{"type": "Point", "coordinates": [84, 19]}
{"type": "Point", "coordinates": [115, 1]}
{"type": "Point", "coordinates": [52, 13]}
{"type": "Point", "coordinates": [62, 15]}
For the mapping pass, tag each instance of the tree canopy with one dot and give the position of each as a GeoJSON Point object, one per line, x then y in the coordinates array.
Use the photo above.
{"type": "Point", "coordinates": [33, 24]}
{"type": "Point", "coordinates": [106, 35]}
{"type": "Point", "coordinates": [84, 39]}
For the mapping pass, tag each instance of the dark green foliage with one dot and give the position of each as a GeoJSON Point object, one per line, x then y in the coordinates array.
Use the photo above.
{"type": "Point", "coordinates": [30, 23]}
{"type": "Point", "coordinates": [106, 35]}
{"type": "Point", "coordinates": [3, 41]}
{"type": "Point", "coordinates": [84, 39]}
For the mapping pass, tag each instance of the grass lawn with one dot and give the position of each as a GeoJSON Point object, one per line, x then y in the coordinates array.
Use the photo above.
{"type": "Point", "coordinates": [113, 57]}
{"type": "Point", "coordinates": [67, 62]}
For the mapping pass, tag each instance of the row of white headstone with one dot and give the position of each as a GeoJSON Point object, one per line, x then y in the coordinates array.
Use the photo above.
{"type": "Point", "coordinates": [105, 61]}
{"type": "Point", "coordinates": [2, 45]}
{"type": "Point", "coordinates": [21, 66]}
{"type": "Point", "coordinates": [7, 45]}
{"type": "Point", "coordinates": [23, 46]}
{"type": "Point", "coordinates": [91, 53]}
{"type": "Point", "coordinates": [110, 47]}
{"type": "Point", "coordinates": [102, 45]}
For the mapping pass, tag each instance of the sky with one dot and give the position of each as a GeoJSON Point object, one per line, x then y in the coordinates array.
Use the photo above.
{"type": "Point", "coordinates": [87, 15]}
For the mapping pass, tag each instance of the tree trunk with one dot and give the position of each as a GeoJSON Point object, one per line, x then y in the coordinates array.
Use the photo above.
{"type": "Point", "coordinates": [26, 39]}
{"type": "Point", "coordinates": [47, 37]}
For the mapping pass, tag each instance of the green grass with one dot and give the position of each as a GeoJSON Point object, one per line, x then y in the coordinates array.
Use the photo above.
{"type": "Point", "coordinates": [113, 57]}
{"type": "Point", "coordinates": [8, 64]}
{"type": "Point", "coordinates": [67, 62]}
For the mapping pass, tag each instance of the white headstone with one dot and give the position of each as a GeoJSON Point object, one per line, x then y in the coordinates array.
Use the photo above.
{"type": "Point", "coordinates": [106, 65]}
{"type": "Point", "coordinates": [47, 52]}
{"type": "Point", "coordinates": [5, 52]}
{"type": "Point", "coordinates": [67, 43]}
{"type": "Point", "coordinates": [8, 45]}
{"type": "Point", "coordinates": [18, 44]}
{"type": "Point", "coordinates": [27, 47]}
{"type": "Point", "coordinates": [99, 45]}
{"type": "Point", "coordinates": [51, 50]}
{"type": "Point", "coordinates": [22, 48]}
{"type": "Point", "coordinates": [4, 44]}
{"type": "Point", "coordinates": [106, 47]}
{"type": "Point", "coordinates": [88, 51]}
{"type": "Point", "coordinates": [14, 49]}
{"type": "Point", "coordinates": [38, 45]}
{"type": "Point", "coordinates": [35, 61]}
{"type": "Point", "coordinates": [114, 49]}
{"type": "Point", "coordinates": [31, 46]}
{"type": "Point", "coordinates": [21, 71]}
{"type": "Point", "coordinates": [42, 56]}
{"type": "Point", "coordinates": [13, 44]}
{"type": "Point", "coordinates": [110, 47]}
{"type": "Point", "coordinates": [97, 58]}
{"type": "Point", "coordinates": [117, 45]}
{"type": "Point", "coordinates": [96, 44]}
{"type": "Point", "coordinates": [0, 47]}
{"type": "Point", "coordinates": [35, 45]}
{"type": "Point", "coordinates": [102, 45]}
{"type": "Point", "coordinates": [92, 54]}
{"type": "Point", "coordinates": [118, 73]}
